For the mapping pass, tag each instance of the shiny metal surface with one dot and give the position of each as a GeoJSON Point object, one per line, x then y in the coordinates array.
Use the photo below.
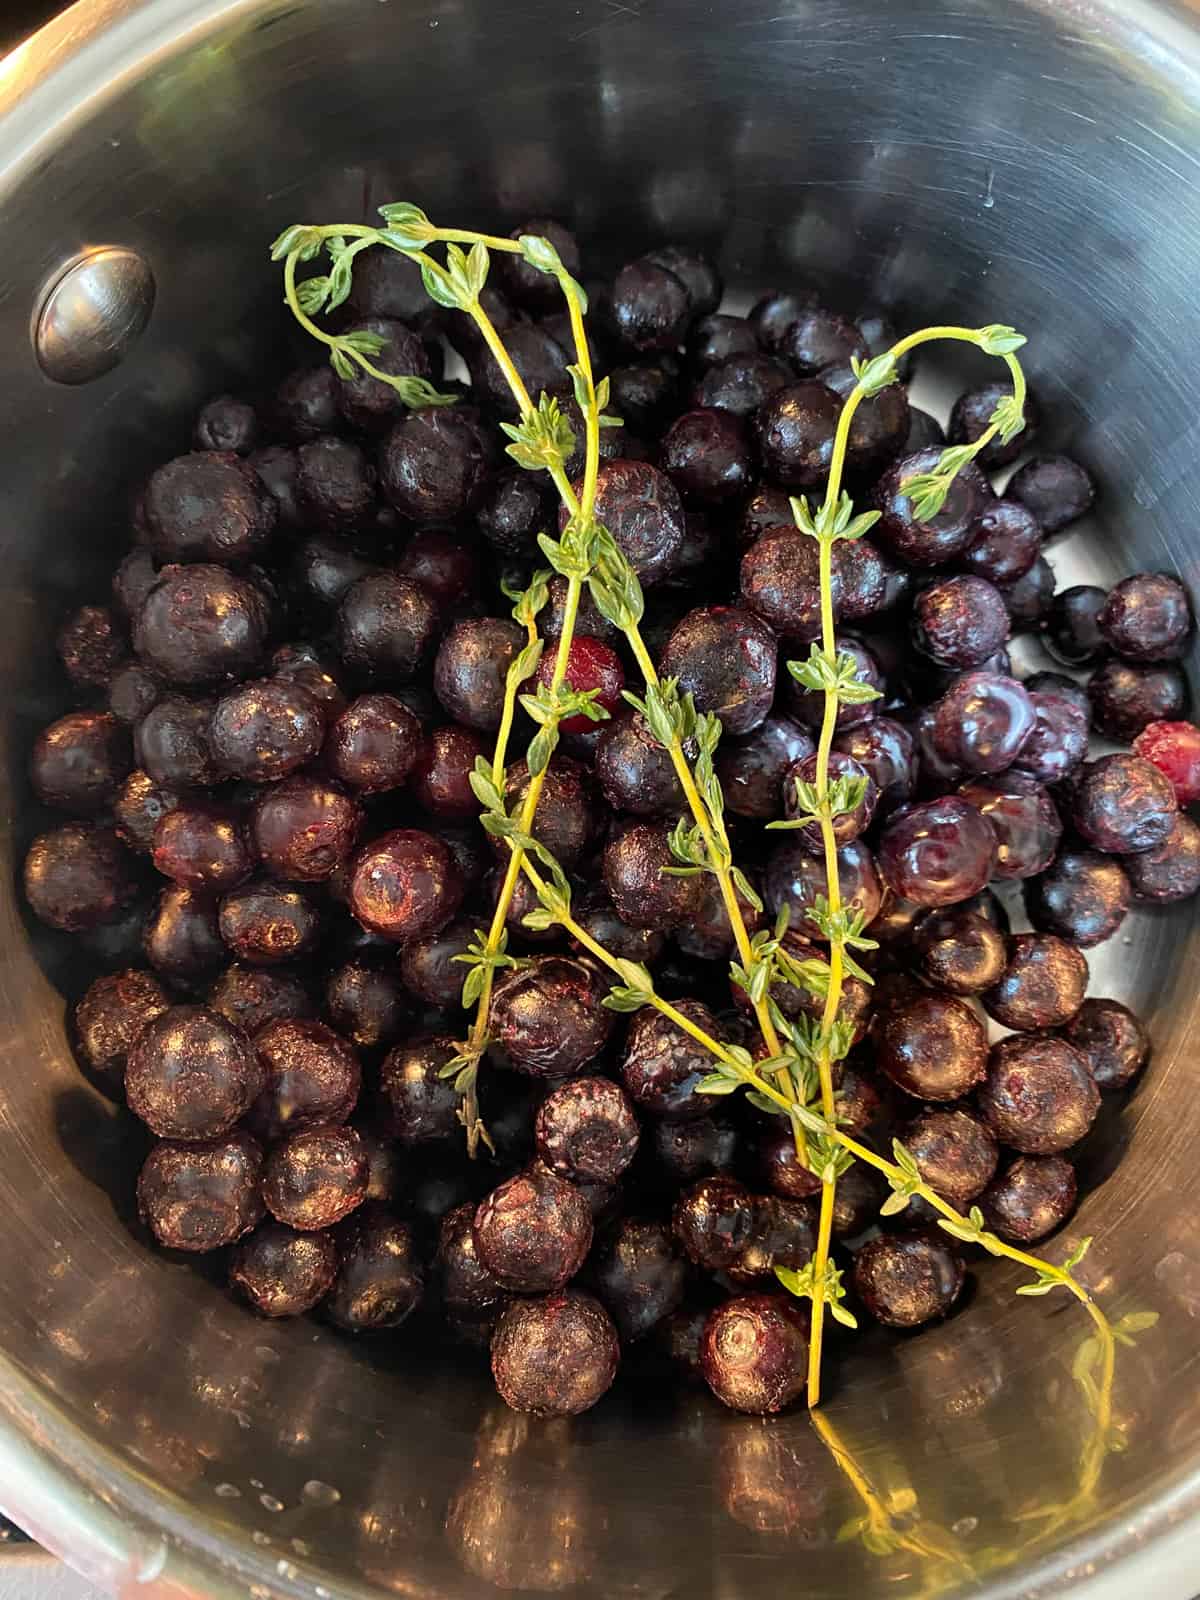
{"type": "Point", "coordinates": [92, 314]}
{"type": "Point", "coordinates": [1031, 162]}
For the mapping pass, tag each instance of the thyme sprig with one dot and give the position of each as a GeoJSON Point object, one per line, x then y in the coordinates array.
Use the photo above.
{"type": "Point", "coordinates": [796, 1077]}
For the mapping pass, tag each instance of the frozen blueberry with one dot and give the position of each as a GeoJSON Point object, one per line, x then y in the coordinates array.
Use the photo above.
{"type": "Point", "coordinates": [549, 1015]}
{"type": "Point", "coordinates": [226, 423]}
{"type": "Point", "coordinates": [1056, 489]}
{"type": "Point", "coordinates": [781, 582]}
{"type": "Point", "coordinates": [713, 1221]}
{"type": "Point", "coordinates": [934, 1047]}
{"type": "Point", "coordinates": [641, 508]}
{"type": "Point", "coordinates": [1039, 1097]}
{"type": "Point", "coordinates": [191, 1074]}
{"type": "Point", "coordinates": [949, 533]}
{"type": "Point", "coordinates": [182, 938]}
{"type": "Point", "coordinates": [956, 1154]}
{"type": "Point", "coordinates": [367, 1003]}
{"type": "Point", "coordinates": [405, 884]}
{"type": "Point", "coordinates": [937, 853]}
{"type": "Point", "coordinates": [1112, 1041]}
{"type": "Point", "coordinates": [960, 622]}
{"type": "Point", "coordinates": [312, 1078]}
{"type": "Point", "coordinates": [1127, 696]}
{"type": "Point", "coordinates": [1024, 819]}
{"type": "Point", "coordinates": [959, 950]}
{"type": "Point", "coordinates": [79, 761]}
{"type": "Point", "coordinates": [112, 1014]}
{"type": "Point", "coordinates": [639, 1275]}
{"type": "Point", "coordinates": [751, 769]}
{"type": "Point", "coordinates": [1083, 896]}
{"type": "Point", "coordinates": [795, 428]}
{"type": "Point", "coordinates": [77, 877]}
{"type": "Point", "coordinates": [251, 997]}
{"type": "Point", "coordinates": [432, 466]}
{"type": "Point", "coordinates": [1042, 986]}
{"type": "Point", "coordinates": [649, 307]}
{"type": "Point", "coordinates": [555, 1356]}
{"type": "Point", "coordinates": [202, 624]}
{"type": "Point", "coordinates": [1147, 617]}
{"type": "Point", "coordinates": [796, 878]}
{"type": "Point", "coordinates": [264, 923]}
{"type": "Point", "coordinates": [586, 1130]}
{"type": "Point", "coordinates": [642, 893]}
{"type": "Point", "coordinates": [821, 338]}
{"type": "Point", "coordinates": [1007, 544]}
{"type": "Point", "coordinates": [1031, 1197]}
{"type": "Point", "coordinates": [198, 1197]}
{"type": "Point", "coordinates": [470, 669]}
{"type": "Point", "coordinates": [533, 1233]}
{"type": "Point", "coordinates": [983, 722]}
{"type": "Point", "coordinates": [725, 658]}
{"type": "Point", "coordinates": [1171, 871]}
{"type": "Point", "coordinates": [754, 1353]}
{"type": "Point", "coordinates": [208, 507]}
{"type": "Point", "coordinates": [906, 1279]}
{"type": "Point", "coordinates": [419, 1104]}
{"type": "Point", "coordinates": [1058, 744]}
{"type": "Point", "coordinates": [284, 1273]}
{"type": "Point", "coordinates": [663, 1065]}
{"type": "Point", "coordinates": [91, 645]}
{"type": "Point", "coordinates": [707, 455]}
{"type": "Point", "coordinates": [636, 773]}
{"type": "Point", "coordinates": [1124, 805]}
{"type": "Point", "coordinates": [972, 416]}
{"type": "Point", "coordinates": [314, 1178]}
{"type": "Point", "coordinates": [380, 1280]}
{"type": "Point", "coordinates": [1072, 626]}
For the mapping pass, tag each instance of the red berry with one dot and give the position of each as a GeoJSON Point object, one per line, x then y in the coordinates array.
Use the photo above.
{"type": "Point", "coordinates": [590, 665]}
{"type": "Point", "coordinates": [1174, 748]}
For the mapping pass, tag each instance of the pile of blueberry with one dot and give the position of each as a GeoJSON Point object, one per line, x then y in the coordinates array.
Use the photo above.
{"type": "Point", "coordinates": [270, 851]}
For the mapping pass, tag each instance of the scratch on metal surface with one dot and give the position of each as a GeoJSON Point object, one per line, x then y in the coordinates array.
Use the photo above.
{"type": "Point", "coordinates": [616, 10]}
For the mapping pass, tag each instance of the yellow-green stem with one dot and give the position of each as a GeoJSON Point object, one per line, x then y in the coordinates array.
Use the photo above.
{"type": "Point", "coordinates": [716, 842]}
{"type": "Point", "coordinates": [833, 995]}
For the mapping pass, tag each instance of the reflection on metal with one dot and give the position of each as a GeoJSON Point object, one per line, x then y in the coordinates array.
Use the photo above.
{"type": "Point", "coordinates": [92, 314]}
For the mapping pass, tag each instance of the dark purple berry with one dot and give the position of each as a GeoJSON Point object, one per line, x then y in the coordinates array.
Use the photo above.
{"type": "Point", "coordinates": [405, 884]}
{"type": "Point", "coordinates": [645, 896]}
{"type": "Point", "coordinates": [208, 507]}
{"type": "Point", "coordinates": [956, 1154]}
{"type": "Point", "coordinates": [314, 1178]}
{"type": "Point", "coordinates": [960, 622]}
{"type": "Point", "coordinates": [202, 625]}
{"type": "Point", "coordinates": [794, 428]}
{"type": "Point", "coordinates": [725, 658]}
{"type": "Point", "coordinates": [639, 1276]}
{"type": "Point", "coordinates": [1171, 871]}
{"type": "Point", "coordinates": [419, 1104]}
{"type": "Point", "coordinates": [641, 508]}
{"type": "Point", "coordinates": [754, 1353]}
{"type": "Point", "coordinates": [1111, 1040]}
{"type": "Point", "coordinates": [663, 1065]}
{"type": "Point", "coordinates": [470, 669]}
{"type": "Point", "coordinates": [933, 1047]}
{"type": "Point", "coordinates": [284, 1273]}
{"type": "Point", "coordinates": [1030, 597]}
{"type": "Point", "coordinates": [548, 1015]}
{"type": "Point", "coordinates": [751, 769]}
{"type": "Point", "coordinates": [226, 423]}
{"type": "Point", "coordinates": [251, 997]}
{"type": "Point", "coordinates": [1127, 697]}
{"type": "Point", "coordinates": [1072, 626]}
{"type": "Point", "coordinates": [533, 1233]}
{"type": "Point", "coordinates": [649, 307]}
{"type": "Point", "coordinates": [112, 1015]}
{"type": "Point", "coordinates": [906, 1279]}
{"type": "Point", "coordinates": [972, 417]}
{"type": "Point", "coordinates": [706, 454]}
{"type": "Point", "coordinates": [1058, 744]}
{"type": "Point", "coordinates": [586, 1130]}
{"type": "Point", "coordinates": [182, 939]}
{"type": "Point", "coordinates": [983, 722]}
{"type": "Point", "coordinates": [937, 853]}
{"type": "Point", "coordinates": [945, 536]}
{"type": "Point", "coordinates": [198, 1197]}
{"type": "Point", "coordinates": [432, 466]}
{"type": "Point", "coordinates": [91, 646]}
{"type": "Point", "coordinates": [1056, 489]}
{"type": "Point", "coordinates": [1039, 1097]}
{"type": "Point", "coordinates": [1124, 805]}
{"type": "Point", "coordinates": [380, 1280]}
{"type": "Point", "coordinates": [1083, 896]}
{"type": "Point", "coordinates": [386, 627]}
{"type": "Point", "coordinates": [192, 1075]}
{"type": "Point", "coordinates": [797, 879]}
{"type": "Point", "coordinates": [555, 1356]}
{"type": "Point", "coordinates": [312, 1078]}
{"type": "Point", "coordinates": [1024, 819]}
{"type": "Point", "coordinates": [821, 338]}
{"type": "Point", "coordinates": [959, 950]}
{"type": "Point", "coordinates": [713, 1222]}
{"type": "Point", "coordinates": [1147, 617]}
{"type": "Point", "coordinates": [77, 877]}
{"type": "Point", "coordinates": [1031, 1197]}
{"type": "Point", "coordinates": [79, 762]}
{"type": "Point", "coordinates": [1007, 543]}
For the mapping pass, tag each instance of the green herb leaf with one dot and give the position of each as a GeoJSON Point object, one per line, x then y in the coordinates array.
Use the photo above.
{"type": "Point", "coordinates": [714, 1083]}
{"type": "Point", "coordinates": [299, 240]}
{"type": "Point", "coordinates": [875, 374]}
{"type": "Point", "coordinates": [540, 253]}
{"type": "Point", "coordinates": [407, 225]}
{"type": "Point", "coordinates": [478, 263]}
{"type": "Point", "coordinates": [1000, 340]}
{"type": "Point", "coordinates": [541, 749]}
{"type": "Point", "coordinates": [439, 290]}
{"type": "Point", "coordinates": [312, 294]}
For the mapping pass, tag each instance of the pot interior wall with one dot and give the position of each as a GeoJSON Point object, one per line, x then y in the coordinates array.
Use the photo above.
{"type": "Point", "coordinates": [1033, 164]}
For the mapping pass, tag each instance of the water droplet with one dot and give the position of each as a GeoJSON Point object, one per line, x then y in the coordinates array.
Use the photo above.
{"type": "Point", "coordinates": [964, 1526]}
{"type": "Point", "coordinates": [227, 1491]}
{"type": "Point", "coordinates": [321, 1494]}
{"type": "Point", "coordinates": [1126, 939]}
{"type": "Point", "coordinates": [259, 1537]}
{"type": "Point", "coordinates": [269, 1503]}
